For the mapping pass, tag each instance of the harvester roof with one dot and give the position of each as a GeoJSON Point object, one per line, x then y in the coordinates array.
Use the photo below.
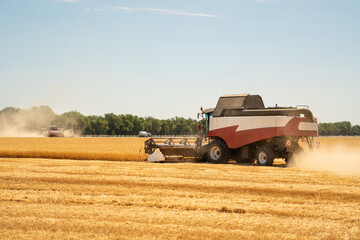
{"type": "Point", "coordinates": [238, 102]}
{"type": "Point", "coordinates": [208, 110]}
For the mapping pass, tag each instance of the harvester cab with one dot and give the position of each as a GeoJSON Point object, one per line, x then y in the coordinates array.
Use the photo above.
{"type": "Point", "coordinates": [242, 129]}
{"type": "Point", "coordinates": [205, 116]}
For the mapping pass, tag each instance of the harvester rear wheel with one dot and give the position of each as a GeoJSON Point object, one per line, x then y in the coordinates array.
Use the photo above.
{"type": "Point", "coordinates": [218, 152]}
{"type": "Point", "coordinates": [264, 156]}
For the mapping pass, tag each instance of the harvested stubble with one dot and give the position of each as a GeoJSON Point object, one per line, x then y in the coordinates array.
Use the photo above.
{"type": "Point", "coordinates": [117, 149]}
{"type": "Point", "coordinates": [51, 199]}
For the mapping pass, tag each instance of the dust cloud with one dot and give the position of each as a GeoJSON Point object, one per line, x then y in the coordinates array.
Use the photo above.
{"type": "Point", "coordinates": [19, 131]}
{"type": "Point", "coordinates": [339, 159]}
{"type": "Point", "coordinates": [71, 133]}
{"type": "Point", "coordinates": [25, 123]}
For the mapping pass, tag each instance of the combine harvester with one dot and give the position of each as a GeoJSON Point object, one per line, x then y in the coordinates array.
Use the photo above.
{"type": "Point", "coordinates": [242, 129]}
{"type": "Point", "coordinates": [53, 131]}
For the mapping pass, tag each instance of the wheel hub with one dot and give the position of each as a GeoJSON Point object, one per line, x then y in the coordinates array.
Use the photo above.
{"type": "Point", "coordinates": [262, 158]}
{"type": "Point", "coordinates": [215, 153]}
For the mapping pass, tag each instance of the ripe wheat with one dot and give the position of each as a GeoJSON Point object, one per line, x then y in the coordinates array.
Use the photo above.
{"type": "Point", "coordinates": [118, 149]}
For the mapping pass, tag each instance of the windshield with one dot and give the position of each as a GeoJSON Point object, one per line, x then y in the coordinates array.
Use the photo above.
{"type": "Point", "coordinates": [207, 117]}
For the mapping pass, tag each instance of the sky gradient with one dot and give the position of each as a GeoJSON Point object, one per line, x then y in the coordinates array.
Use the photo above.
{"type": "Point", "coordinates": [166, 58]}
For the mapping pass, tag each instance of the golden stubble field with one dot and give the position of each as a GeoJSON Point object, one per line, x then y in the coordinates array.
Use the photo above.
{"type": "Point", "coordinates": [115, 149]}
{"type": "Point", "coordinates": [72, 199]}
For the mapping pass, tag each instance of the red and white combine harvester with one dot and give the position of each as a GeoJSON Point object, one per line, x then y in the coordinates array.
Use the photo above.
{"type": "Point", "coordinates": [53, 131]}
{"type": "Point", "coordinates": [242, 129]}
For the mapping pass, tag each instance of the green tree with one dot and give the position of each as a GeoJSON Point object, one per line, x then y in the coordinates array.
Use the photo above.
{"type": "Point", "coordinates": [139, 125]}
{"type": "Point", "coordinates": [97, 125]}
{"type": "Point", "coordinates": [115, 124]}
{"type": "Point", "coordinates": [152, 125]}
{"type": "Point", "coordinates": [128, 125]}
{"type": "Point", "coordinates": [355, 130]}
{"type": "Point", "coordinates": [344, 128]}
{"type": "Point", "coordinates": [324, 129]}
{"type": "Point", "coordinates": [167, 127]}
{"type": "Point", "coordinates": [155, 126]}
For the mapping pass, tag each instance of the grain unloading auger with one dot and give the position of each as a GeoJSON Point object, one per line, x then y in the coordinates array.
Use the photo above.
{"type": "Point", "coordinates": [242, 129]}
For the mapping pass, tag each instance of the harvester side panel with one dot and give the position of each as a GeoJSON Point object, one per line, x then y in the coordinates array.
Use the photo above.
{"type": "Point", "coordinates": [242, 130]}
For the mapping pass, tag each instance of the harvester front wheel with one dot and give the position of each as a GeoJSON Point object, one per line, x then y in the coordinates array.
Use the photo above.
{"type": "Point", "coordinates": [264, 156]}
{"type": "Point", "coordinates": [218, 152]}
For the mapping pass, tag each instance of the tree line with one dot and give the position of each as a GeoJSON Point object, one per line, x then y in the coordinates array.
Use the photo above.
{"type": "Point", "coordinates": [339, 129]}
{"type": "Point", "coordinates": [36, 118]}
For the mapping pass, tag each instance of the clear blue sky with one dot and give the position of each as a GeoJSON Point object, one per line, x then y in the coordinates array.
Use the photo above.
{"type": "Point", "coordinates": [166, 58]}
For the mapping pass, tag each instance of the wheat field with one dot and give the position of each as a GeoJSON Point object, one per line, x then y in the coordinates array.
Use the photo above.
{"type": "Point", "coordinates": [116, 149]}
{"type": "Point", "coordinates": [76, 199]}
{"type": "Point", "coordinates": [70, 199]}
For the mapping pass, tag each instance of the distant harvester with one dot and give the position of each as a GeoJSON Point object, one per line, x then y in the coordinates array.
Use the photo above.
{"type": "Point", "coordinates": [54, 131]}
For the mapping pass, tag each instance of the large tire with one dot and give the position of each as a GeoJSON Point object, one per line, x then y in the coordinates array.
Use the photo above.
{"type": "Point", "coordinates": [218, 152]}
{"type": "Point", "coordinates": [264, 156]}
{"type": "Point", "coordinates": [201, 158]}
{"type": "Point", "coordinates": [202, 154]}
